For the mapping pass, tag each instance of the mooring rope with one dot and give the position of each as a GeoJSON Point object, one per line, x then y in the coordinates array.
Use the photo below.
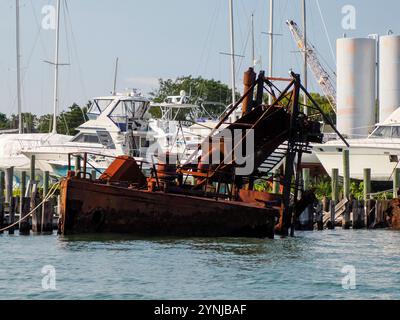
{"type": "Point", "coordinates": [51, 192]}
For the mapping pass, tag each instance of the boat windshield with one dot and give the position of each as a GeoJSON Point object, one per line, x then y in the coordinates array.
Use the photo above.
{"type": "Point", "coordinates": [97, 107]}
{"type": "Point", "coordinates": [127, 110]}
{"type": "Point", "coordinates": [391, 132]}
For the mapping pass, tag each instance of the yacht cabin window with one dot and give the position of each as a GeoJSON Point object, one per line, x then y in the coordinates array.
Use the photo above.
{"type": "Point", "coordinates": [125, 111]}
{"type": "Point", "coordinates": [391, 132]}
{"type": "Point", "coordinates": [97, 107]}
{"type": "Point", "coordinates": [87, 138]}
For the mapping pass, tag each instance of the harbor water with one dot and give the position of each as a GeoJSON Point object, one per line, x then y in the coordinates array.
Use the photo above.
{"type": "Point", "coordinates": [312, 265]}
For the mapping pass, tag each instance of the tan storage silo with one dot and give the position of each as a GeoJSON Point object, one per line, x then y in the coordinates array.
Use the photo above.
{"type": "Point", "coordinates": [389, 75]}
{"type": "Point", "coordinates": [356, 86]}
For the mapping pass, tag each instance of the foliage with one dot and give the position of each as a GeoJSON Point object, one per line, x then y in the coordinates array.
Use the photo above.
{"type": "Point", "coordinates": [216, 94]}
{"type": "Point", "coordinates": [67, 121]}
{"type": "Point", "coordinates": [322, 186]}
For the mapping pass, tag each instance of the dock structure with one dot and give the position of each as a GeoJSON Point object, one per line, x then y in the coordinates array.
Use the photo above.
{"type": "Point", "coordinates": [30, 207]}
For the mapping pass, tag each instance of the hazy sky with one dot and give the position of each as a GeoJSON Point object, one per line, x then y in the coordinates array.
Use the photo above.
{"type": "Point", "coordinates": [161, 39]}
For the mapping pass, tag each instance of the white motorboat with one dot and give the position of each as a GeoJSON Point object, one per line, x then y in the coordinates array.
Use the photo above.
{"type": "Point", "coordinates": [380, 151]}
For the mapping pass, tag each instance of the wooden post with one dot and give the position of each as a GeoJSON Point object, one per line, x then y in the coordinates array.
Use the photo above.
{"type": "Point", "coordinates": [9, 184]}
{"type": "Point", "coordinates": [37, 214]}
{"type": "Point", "coordinates": [276, 184]}
{"type": "Point", "coordinates": [94, 174]}
{"type": "Point", "coordinates": [396, 180]}
{"type": "Point", "coordinates": [11, 217]}
{"type": "Point", "coordinates": [46, 206]}
{"type": "Point", "coordinates": [346, 174]}
{"type": "Point", "coordinates": [25, 208]}
{"type": "Point", "coordinates": [24, 227]}
{"type": "Point", "coordinates": [335, 185]}
{"type": "Point", "coordinates": [346, 216]}
{"type": "Point", "coordinates": [367, 184]}
{"type": "Point", "coordinates": [46, 182]}
{"type": "Point", "coordinates": [2, 204]}
{"type": "Point", "coordinates": [325, 204]}
{"type": "Point", "coordinates": [47, 217]}
{"type": "Point", "coordinates": [33, 170]}
{"type": "Point", "coordinates": [369, 212]}
{"type": "Point", "coordinates": [332, 212]}
{"type": "Point", "coordinates": [356, 218]}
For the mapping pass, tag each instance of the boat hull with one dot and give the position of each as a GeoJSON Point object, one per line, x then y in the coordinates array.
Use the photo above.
{"type": "Point", "coordinates": [89, 207]}
{"type": "Point", "coordinates": [382, 161]}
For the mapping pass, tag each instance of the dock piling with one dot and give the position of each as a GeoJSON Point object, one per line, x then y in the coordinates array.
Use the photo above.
{"type": "Point", "coordinates": [24, 226]}
{"type": "Point", "coordinates": [2, 187]}
{"type": "Point", "coordinates": [9, 184]}
{"type": "Point", "coordinates": [335, 185]}
{"type": "Point", "coordinates": [367, 184]}
{"type": "Point", "coordinates": [396, 182]}
{"type": "Point", "coordinates": [346, 174]}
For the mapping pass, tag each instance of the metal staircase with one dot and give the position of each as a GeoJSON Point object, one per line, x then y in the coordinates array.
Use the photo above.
{"type": "Point", "coordinates": [275, 160]}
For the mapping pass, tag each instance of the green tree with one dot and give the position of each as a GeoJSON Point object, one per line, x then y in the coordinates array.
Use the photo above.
{"type": "Point", "coordinates": [67, 121]}
{"type": "Point", "coordinates": [4, 123]}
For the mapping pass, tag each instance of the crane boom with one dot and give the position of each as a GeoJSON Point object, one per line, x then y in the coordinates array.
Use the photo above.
{"type": "Point", "coordinates": [321, 75]}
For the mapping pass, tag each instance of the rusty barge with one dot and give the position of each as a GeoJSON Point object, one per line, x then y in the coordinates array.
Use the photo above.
{"type": "Point", "coordinates": [204, 198]}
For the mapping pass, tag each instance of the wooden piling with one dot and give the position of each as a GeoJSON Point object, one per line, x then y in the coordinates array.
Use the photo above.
{"type": "Point", "coordinates": [24, 207]}
{"type": "Point", "coordinates": [9, 179]}
{"type": "Point", "coordinates": [2, 205]}
{"type": "Point", "coordinates": [335, 185]}
{"type": "Point", "coordinates": [346, 174]}
{"type": "Point", "coordinates": [11, 216]}
{"type": "Point", "coordinates": [358, 214]}
{"type": "Point", "coordinates": [346, 216]}
{"type": "Point", "coordinates": [367, 184]}
{"type": "Point", "coordinates": [94, 174]}
{"type": "Point", "coordinates": [33, 170]}
{"type": "Point", "coordinates": [396, 182]}
{"type": "Point", "coordinates": [333, 213]}
{"type": "Point", "coordinates": [37, 213]}
{"type": "Point", "coordinates": [47, 207]}
{"type": "Point", "coordinates": [47, 217]}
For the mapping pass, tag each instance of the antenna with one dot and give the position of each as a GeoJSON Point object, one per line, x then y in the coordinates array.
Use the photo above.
{"type": "Point", "coordinates": [114, 92]}
{"type": "Point", "coordinates": [20, 124]}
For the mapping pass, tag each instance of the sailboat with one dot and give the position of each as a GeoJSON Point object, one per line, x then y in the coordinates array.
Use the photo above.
{"type": "Point", "coordinates": [11, 145]}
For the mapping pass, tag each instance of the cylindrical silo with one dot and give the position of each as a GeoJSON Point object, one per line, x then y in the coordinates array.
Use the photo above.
{"type": "Point", "coordinates": [356, 86]}
{"type": "Point", "coordinates": [389, 76]}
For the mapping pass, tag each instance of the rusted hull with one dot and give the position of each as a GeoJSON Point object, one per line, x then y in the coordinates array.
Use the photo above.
{"type": "Point", "coordinates": [88, 207]}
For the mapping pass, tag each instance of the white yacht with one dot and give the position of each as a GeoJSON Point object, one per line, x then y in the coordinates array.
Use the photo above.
{"type": "Point", "coordinates": [380, 151]}
{"type": "Point", "coordinates": [117, 125]}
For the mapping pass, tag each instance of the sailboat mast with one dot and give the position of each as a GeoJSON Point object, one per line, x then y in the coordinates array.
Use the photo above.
{"type": "Point", "coordinates": [19, 103]}
{"type": "Point", "coordinates": [304, 14]}
{"type": "Point", "coordinates": [115, 77]}
{"type": "Point", "coordinates": [233, 63]}
{"type": "Point", "coordinates": [271, 44]}
{"type": "Point", "coordinates": [56, 68]}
